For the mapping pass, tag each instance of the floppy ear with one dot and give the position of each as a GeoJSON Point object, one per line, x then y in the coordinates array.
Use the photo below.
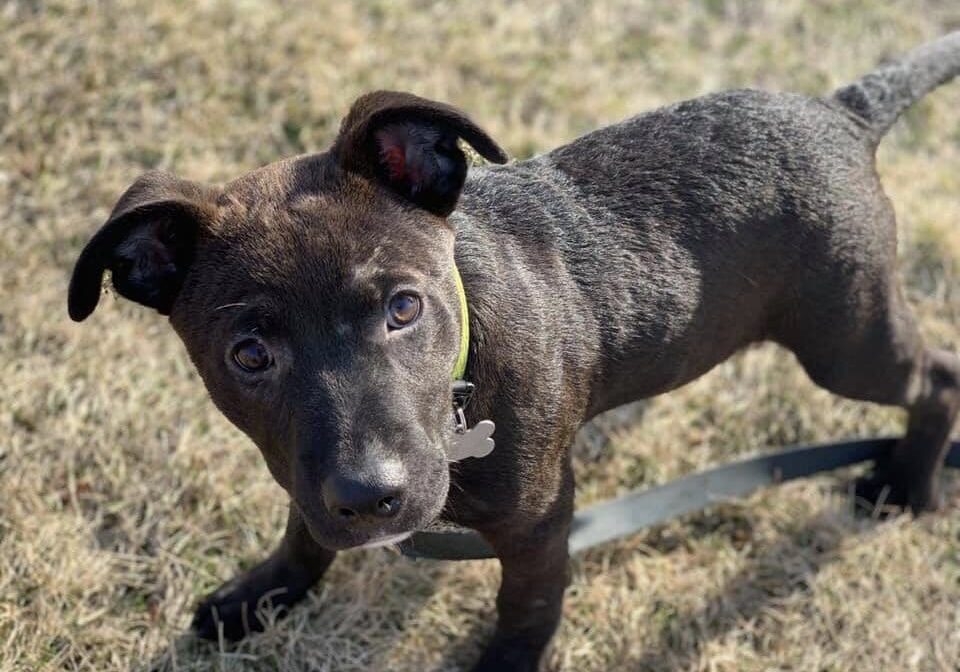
{"type": "Point", "coordinates": [409, 144]}
{"type": "Point", "coordinates": [147, 243]}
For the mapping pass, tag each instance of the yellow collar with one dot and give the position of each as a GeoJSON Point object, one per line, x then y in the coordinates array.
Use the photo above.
{"type": "Point", "coordinates": [460, 368]}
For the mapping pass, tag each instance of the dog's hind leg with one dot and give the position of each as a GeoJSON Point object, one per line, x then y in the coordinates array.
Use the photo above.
{"type": "Point", "coordinates": [933, 412]}
{"type": "Point", "coordinates": [855, 336]}
{"type": "Point", "coordinates": [280, 581]}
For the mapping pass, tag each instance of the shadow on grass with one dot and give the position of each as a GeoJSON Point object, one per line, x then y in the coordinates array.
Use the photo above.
{"type": "Point", "coordinates": [766, 579]}
{"type": "Point", "coordinates": [772, 575]}
{"type": "Point", "coordinates": [332, 623]}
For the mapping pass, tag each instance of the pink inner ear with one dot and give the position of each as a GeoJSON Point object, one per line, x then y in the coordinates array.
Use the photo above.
{"type": "Point", "coordinates": [393, 154]}
{"type": "Point", "coordinates": [396, 163]}
{"type": "Point", "coordinates": [406, 152]}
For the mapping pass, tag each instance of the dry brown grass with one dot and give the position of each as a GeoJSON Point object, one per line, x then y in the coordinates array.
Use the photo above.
{"type": "Point", "coordinates": [125, 496]}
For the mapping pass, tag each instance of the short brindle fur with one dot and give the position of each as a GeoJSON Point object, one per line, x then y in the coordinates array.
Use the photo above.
{"type": "Point", "coordinates": [616, 267]}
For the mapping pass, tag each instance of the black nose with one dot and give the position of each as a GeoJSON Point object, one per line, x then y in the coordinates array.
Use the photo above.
{"type": "Point", "coordinates": [347, 499]}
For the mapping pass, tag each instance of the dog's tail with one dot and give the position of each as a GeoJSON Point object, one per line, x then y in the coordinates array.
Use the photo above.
{"type": "Point", "coordinates": [881, 96]}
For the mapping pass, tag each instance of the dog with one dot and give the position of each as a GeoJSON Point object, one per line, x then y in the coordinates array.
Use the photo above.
{"type": "Point", "coordinates": [321, 299]}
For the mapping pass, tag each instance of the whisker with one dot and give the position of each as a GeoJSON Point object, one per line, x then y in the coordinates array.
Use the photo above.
{"type": "Point", "coordinates": [229, 305]}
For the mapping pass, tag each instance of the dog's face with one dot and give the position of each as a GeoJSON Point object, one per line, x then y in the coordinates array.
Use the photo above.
{"type": "Point", "coordinates": [317, 298]}
{"type": "Point", "coordinates": [325, 325]}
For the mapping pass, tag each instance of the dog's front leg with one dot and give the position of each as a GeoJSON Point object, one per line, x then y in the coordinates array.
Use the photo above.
{"type": "Point", "coordinates": [535, 573]}
{"type": "Point", "coordinates": [282, 579]}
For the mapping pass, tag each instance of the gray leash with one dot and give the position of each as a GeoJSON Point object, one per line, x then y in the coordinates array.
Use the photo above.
{"type": "Point", "coordinates": [636, 511]}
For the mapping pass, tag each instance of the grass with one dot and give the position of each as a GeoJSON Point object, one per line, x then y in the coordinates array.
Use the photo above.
{"type": "Point", "coordinates": [124, 495]}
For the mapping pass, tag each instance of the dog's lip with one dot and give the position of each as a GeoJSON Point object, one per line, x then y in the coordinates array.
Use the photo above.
{"type": "Point", "coordinates": [388, 540]}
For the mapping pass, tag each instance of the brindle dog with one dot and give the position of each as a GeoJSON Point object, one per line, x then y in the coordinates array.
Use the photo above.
{"type": "Point", "coordinates": [317, 298]}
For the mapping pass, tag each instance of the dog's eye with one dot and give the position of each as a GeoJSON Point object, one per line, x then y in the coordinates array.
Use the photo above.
{"type": "Point", "coordinates": [251, 355]}
{"type": "Point", "coordinates": [403, 309]}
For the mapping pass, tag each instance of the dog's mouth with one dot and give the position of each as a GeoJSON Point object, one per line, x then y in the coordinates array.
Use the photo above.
{"type": "Point", "coordinates": [388, 540]}
{"type": "Point", "coordinates": [344, 540]}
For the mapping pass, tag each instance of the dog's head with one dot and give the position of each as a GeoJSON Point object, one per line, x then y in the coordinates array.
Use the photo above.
{"type": "Point", "coordinates": [317, 298]}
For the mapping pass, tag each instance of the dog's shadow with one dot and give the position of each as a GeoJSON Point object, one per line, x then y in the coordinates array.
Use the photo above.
{"type": "Point", "coordinates": [335, 604]}
{"type": "Point", "coordinates": [770, 576]}
{"type": "Point", "coordinates": [354, 595]}
{"type": "Point", "coordinates": [306, 642]}
{"type": "Point", "coordinates": [352, 618]}
{"type": "Point", "coordinates": [786, 568]}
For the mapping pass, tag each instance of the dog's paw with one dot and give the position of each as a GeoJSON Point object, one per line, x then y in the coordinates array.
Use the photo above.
{"type": "Point", "coordinates": [883, 494]}
{"type": "Point", "coordinates": [244, 605]}
{"type": "Point", "coordinates": [514, 655]}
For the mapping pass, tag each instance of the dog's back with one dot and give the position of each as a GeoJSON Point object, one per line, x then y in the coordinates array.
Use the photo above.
{"type": "Point", "coordinates": [722, 215]}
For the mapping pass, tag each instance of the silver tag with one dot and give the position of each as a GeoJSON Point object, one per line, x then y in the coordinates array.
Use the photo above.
{"type": "Point", "coordinates": [475, 442]}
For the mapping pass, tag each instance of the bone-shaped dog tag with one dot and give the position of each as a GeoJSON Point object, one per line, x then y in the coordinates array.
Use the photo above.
{"type": "Point", "coordinates": [475, 442]}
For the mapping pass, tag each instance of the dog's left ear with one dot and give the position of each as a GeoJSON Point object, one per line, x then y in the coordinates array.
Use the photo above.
{"type": "Point", "coordinates": [409, 144]}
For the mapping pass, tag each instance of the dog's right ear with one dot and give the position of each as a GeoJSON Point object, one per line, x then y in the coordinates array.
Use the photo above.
{"type": "Point", "coordinates": [147, 244]}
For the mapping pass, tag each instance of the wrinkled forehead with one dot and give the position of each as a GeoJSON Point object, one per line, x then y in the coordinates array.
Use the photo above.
{"type": "Point", "coordinates": [298, 228]}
